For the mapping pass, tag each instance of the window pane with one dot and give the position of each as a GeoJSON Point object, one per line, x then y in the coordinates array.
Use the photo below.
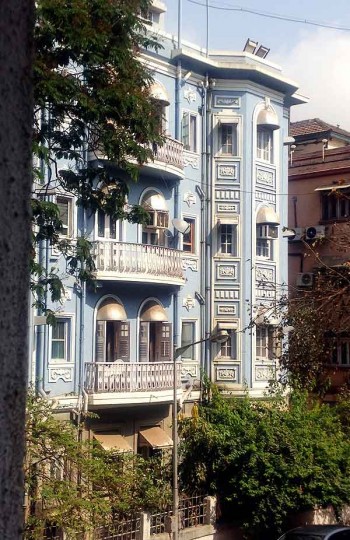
{"type": "Point", "coordinates": [58, 349]}
{"type": "Point", "coordinates": [228, 239]}
{"type": "Point", "coordinates": [112, 228]}
{"type": "Point", "coordinates": [63, 207]}
{"type": "Point", "coordinates": [101, 223]}
{"type": "Point", "coordinates": [228, 139]}
{"type": "Point", "coordinates": [193, 133]}
{"type": "Point", "coordinates": [229, 348]}
{"type": "Point", "coordinates": [264, 144]}
{"type": "Point", "coordinates": [188, 336]}
{"type": "Point", "coordinates": [188, 239]}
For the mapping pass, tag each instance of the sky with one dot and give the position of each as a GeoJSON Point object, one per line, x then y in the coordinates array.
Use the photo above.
{"type": "Point", "coordinates": [316, 58]}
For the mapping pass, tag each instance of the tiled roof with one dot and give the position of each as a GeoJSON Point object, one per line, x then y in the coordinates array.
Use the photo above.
{"type": "Point", "coordinates": [312, 164]}
{"type": "Point", "coordinates": [314, 126]}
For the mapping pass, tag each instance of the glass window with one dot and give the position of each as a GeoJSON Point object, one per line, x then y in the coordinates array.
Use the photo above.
{"type": "Point", "coordinates": [228, 239]}
{"type": "Point", "coordinates": [229, 348]}
{"type": "Point", "coordinates": [335, 206]}
{"type": "Point", "coordinates": [264, 342]}
{"type": "Point", "coordinates": [341, 351]}
{"type": "Point", "coordinates": [108, 228]}
{"type": "Point", "coordinates": [265, 234]}
{"type": "Point", "coordinates": [263, 248]}
{"type": "Point", "coordinates": [228, 139]}
{"type": "Point", "coordinates": [59, 341]}
{"type": "Point", "coordinates": [65, 212]}
{"type": "Point", "coordinates": [264, 145]}
{"type": "Point", "coordinates": [188, 335]}
{"type": "Point", "coordinates": [188, 239]}
{"type": "Point", "coordinates": [189, 131]}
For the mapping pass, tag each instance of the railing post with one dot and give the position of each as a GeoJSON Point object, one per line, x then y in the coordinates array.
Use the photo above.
{"type": "Point", "coordinates": [210, 510]}
{"type": "Point", "coordinates": [145, 526]}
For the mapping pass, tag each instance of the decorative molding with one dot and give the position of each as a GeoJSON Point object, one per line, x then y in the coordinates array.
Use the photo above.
{"type": "Point", "coordinates": [227, 171]}
{"type": "Point", "coordinates": [265, 197]}
{"type": "Point", "coordinates": [190, 95]}
{"type": "Point", "coordinates": [191, 160]}
{"type": "Point", "coordinates": [265, 177]}
{"type": "Point", "coordinates": [67, 294]}
{"type": "Point", "coordinates": [188, 302]}
{"type": "Point", "coordinates": [60, 372]}
{"type": "Point", "coordinates": [226, 374]}
{"type": "Point", "coordinates": [227, 102]}
{"type": "Point", "coordinates": [226, 294]}
{"type": "Point", "coordinates": [264, 373]}
{"type": "Point", "coordinates": [227, 208]}
{"type": "Point", "coordinates": [265, 275]}
{"type": "Point", "coordinates": [227, 194]}
{"type": "Point", "coordinates": [189, 369]}
{"type": "Point", "coordinates": [226, 271]}
{"type": "Point", "coordinates": [267, 294]}
{"type": "Point", "coordinates": [226, 309]}
{"type": "Point", "coordinates": [188, 262]}
{"type": "Point", "coordinates": [190, 198]}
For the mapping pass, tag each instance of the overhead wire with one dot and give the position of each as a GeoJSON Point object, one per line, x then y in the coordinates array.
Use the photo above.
{"type": "Point", "coordinates": [277, 16]}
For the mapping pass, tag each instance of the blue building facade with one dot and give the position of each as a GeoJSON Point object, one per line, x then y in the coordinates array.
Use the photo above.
{"type": "Point", "coordinates": [212, 257]}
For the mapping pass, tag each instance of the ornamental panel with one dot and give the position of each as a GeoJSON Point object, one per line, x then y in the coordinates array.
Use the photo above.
{"type": "Point", "coordinates": [60, 372]}
{"type": "Point", "coordinates": [264, 373]}
{"type": "Point", "coordinates": [226, 271]}
{"type": "Point", "coordinates": [226, 294]}
{"type": "Point", "coordinates": [227, 310]}
{"type": "Point", "coordinates": [189, 263]}
{"type": "Point", "coordinates": [227, 171]}
{"type": "Point", "coordinates": [265, 177]}
{"type": "Point", "coordinates": [227, 102]}
{"type": "Point", "coordinates": [226, 374]}
{"type": "Point", "coordinates": [222, 208]}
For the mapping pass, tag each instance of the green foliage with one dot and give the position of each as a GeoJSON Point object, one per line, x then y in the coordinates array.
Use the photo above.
{"type": "Point", "coordinates": [92, 97]}
{"type": "Point", "coordinates": [266, 460]}
{"type": "Point", "coordinates": [77, 485]}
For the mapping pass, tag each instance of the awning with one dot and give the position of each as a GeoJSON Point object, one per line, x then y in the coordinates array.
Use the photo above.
{"type": "Point", "coordinates": [266, 214]}
{"type": "Point", "coordinates": [228, 120]}
{"type": "Point", "coordinates": [154, 201]}
{"type": "Point", "coordinates": [155, 437]}
{"type": "Point", "coordinates": [113, 441]}
{"type": "Point", "coordinates": [268, 119]}
{"type": "Point", "coordinates": [153, 312]}
{"type": "Point", "coordinates": [158, 92]}
{"type": "Point", "coordinates": [333, 187]}
{"type": "Point", "coordinates": [111, 310]}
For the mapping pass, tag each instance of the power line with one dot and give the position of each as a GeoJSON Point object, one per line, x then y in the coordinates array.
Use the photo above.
{"type": "Point", "coordinates": [277, 16]}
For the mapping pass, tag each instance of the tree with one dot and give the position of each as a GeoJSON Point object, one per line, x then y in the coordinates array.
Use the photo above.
{"type": "Point", "coordinates": [76, 485]}
{"type": "Point", "coordinates": [92, 100]}
{"type": "Point", "coordinates": [16, 47]}
{"type": "Point", "coordinates": [267, 460]}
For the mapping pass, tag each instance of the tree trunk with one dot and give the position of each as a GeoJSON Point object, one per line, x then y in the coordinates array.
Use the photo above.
{"type": "Point", "coordinates": [16, 109]}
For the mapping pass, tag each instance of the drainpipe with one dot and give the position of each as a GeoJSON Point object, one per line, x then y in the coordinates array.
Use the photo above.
{"type": "Point", "coordinates": [208, 213]}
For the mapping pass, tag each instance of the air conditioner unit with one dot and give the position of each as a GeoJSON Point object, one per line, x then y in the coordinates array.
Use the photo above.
{"type": "Point", "coordinates": [299, 234]}
{"type": "Point", "coordinates": [318, 231]}
{"type": "Point", "coordinates": [305, 279]}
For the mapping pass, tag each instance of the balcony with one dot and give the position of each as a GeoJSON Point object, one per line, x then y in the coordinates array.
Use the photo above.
{"type": "Point", "coordinates": [121, 383]}
{"type": "Point", "coordinates": [122, 261]}
{"type": "Point", "coordinates": [168, 159]}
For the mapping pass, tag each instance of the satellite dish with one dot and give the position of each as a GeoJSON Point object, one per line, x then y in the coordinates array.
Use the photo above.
{"type": "Point", "coordinates": [181, 225]}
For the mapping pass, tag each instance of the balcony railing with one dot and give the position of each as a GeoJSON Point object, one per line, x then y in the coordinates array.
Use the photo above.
{"type": "Point", "coordinates": [171, 153]}
{"type": "Point", "coordinates": [120, 377]}
{"type": "Point", "coordinates": [120, 259]}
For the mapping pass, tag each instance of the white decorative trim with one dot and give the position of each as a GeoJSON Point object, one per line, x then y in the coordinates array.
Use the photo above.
{"type": "Point", "coordinates": [227, 171]}
{"type": "Point", "coordinates": [264, 373]}
{"type": "Point", "coordinates": [227, 208]}
{"type": "Point", "coordinates": [190, 198]}
{"type": "Point", "coordinates": [227, 102]}
{"type": "Point", "coordinates": [265, 275]}
{"type": "Point", "coordinates": [190, 95]}
{"type": "Point", "coordinates": [226, 374]}
{"type": "Point", "coordinates": [63, 372]}
{"type": "Point", "coordinates": [188, 302]}
{"type": "Point", "coordinates": [191, 160]}
{"type": "Point", "coordinates": [189, 369]}
{"type": "Point", "coordinates": [226, 309]}
{"type": "Point", "coordinates": [226, 271]}
{"type": "Point", "coordinates": [188, 262]}
{"type": "Point", "coordinates": [265, 177]}
{"type": "Point", "coordinates": [226, 294]}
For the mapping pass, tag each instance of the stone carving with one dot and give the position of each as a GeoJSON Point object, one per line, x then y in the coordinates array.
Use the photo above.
{"type": "Point", "coordinates": [193, 161]}
{"type": "Point", "coordinates": [222, 294]}
{"type": "Point", "coordinates": [227, 171]}
{"type": "Point", "coordinates": [64, 373]}
{"type": "Point", "coordinates": [265, 275]}
{"type": "Point", "coordinates": [226, 310]}
{"type": "Point", "coordinates": [226, 374]}
{"type": "Point", "coordinates": [264, 177]}
{"type": "Point", "coordinates": [266, 197]}
{"type": "Point", "coordinates": [228, 208]}
{"type": "Point", "coordinates": [190, 95]}
{"type": "Point", "coordinates": [190, 198]}
{"type": "Point", "coordinates": [227, 102]}
{"type": "Point", "coordinates": [227, 194]}
{"type": "Point", "coordinates": [188, 302]}
{"type": "Point", "coordinates": [265, 293]}
{"type": "Point", "coordinates": [191, 370]}
{"type": "Point", "coordinates": [226, 271]}
{"type": "Point", "coordinates": [192, 264]}
{"type": "Point", "coordinates": [264, 373]}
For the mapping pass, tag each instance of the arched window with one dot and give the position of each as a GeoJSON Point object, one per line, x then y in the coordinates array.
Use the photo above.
{"type": "Point", "coordinates": [154, 231]}
{"type": "Point", "coordinates": [267, 123]}
{"type": "Point", "coordinates": [155, 334]}
{"type": "Point", "coordinates": [112, 332]}
{"type": "Point", "coordinates": [267, 223]}
{"type": "Point", "coordinates": [160, 96]}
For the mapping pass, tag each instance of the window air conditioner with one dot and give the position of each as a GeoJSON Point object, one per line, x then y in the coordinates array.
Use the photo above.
{"type": "Point", "coordinates": [305, 279]}
{"type": "Point", "coordinates": [317, 231]}
{"type": "Point", "coordinates": [299, 233]}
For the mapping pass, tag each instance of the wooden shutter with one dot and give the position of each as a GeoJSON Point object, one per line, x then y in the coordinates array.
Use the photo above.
{"type": "Point", "coordinates": [163, 346]}
{"type": "Point", "coordinates": [144, 342]}
{"type": "Point", "coordinates": [123, 342]}
{"type": "Point", "coordinates": [100, 341]}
